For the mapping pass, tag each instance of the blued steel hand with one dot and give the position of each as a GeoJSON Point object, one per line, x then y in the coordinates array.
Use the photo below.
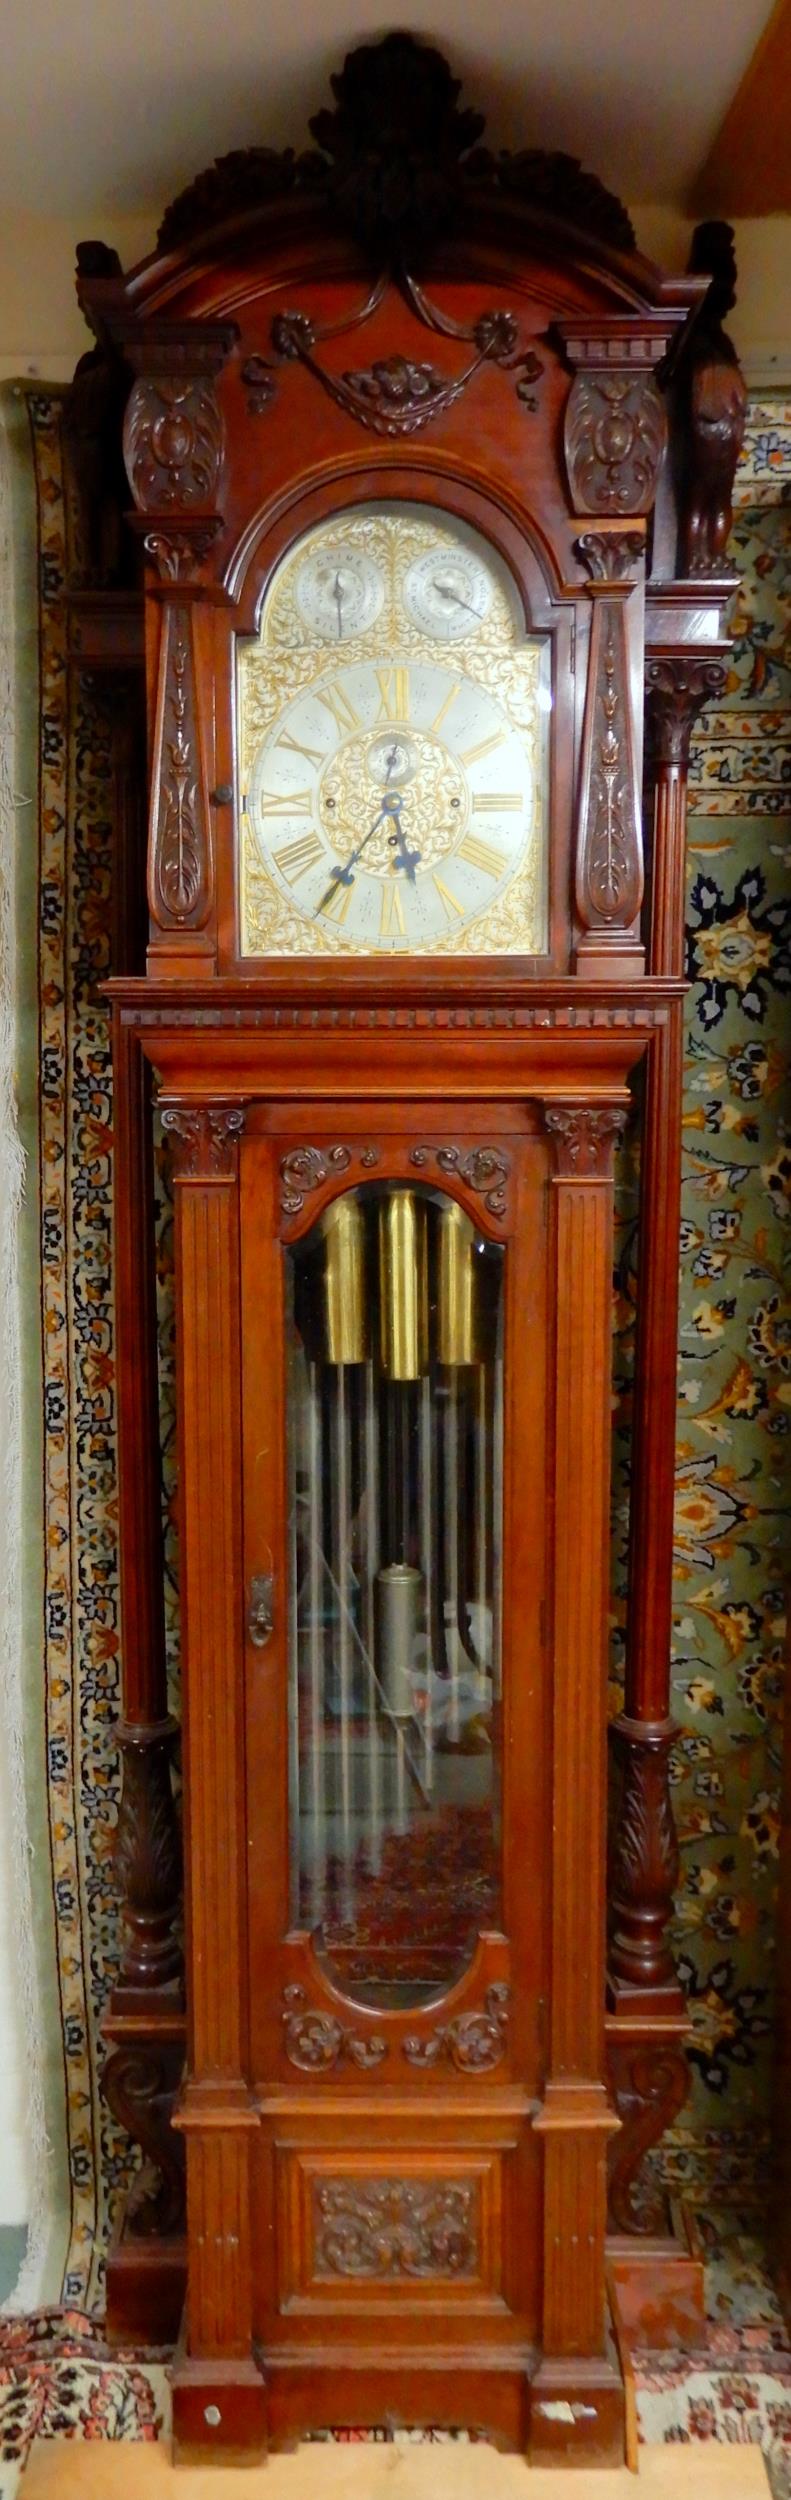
{"type": "Point", "coordinates": [390, 810]}
{"type": "Point", "coordinates": [338, 598]}
{"type": "Point", "coordinates": [404, 858]}
{"type": "Point", "coordinates": [446, 592]}
{"type": "Point", "coordinates": [343, 873]}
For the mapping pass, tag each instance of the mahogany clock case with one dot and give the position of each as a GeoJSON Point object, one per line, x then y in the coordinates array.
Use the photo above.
{"type": "Point", "coordinates": [397, 2129]}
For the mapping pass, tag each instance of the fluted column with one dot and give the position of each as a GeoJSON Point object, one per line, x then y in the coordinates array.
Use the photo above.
{"type": "Point", "coordinates": [216, 2115]}
{"type": "Point", "coordinates": [576, 2120]}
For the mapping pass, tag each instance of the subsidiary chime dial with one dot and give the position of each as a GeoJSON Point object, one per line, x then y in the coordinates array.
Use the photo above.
{"type": "Point", "coordinates": [391, 748]}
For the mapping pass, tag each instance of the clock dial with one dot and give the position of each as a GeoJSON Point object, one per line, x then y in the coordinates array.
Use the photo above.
{"type": "Point", "coordinates": [447, 593]}
{"type": "Point", "coordinates": [392, 803]}
{"type": "Point", "coordinates": [392, 789]}
{"type": "Point", "coordinates": [339, 591]}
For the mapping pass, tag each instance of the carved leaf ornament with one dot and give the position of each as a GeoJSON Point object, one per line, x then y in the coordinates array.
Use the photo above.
{"type": "Point", "coordinates": [316, 2041]}
{"type": "Point", "coordinates": [614, 440]}
{"type": "Point", "coordinates": [385, 2227]}
{"type": "Point", "coordinates": [396, 394]}
{"type": "Point", "coordinates": [398, 160]}
{"type": "Point", "coordinates": [172, 442]}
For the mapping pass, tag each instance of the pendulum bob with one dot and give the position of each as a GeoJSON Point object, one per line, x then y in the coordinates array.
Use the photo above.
{"type": "Point", "coordinates": [404, 1359]}
{"type": "Point", "coordinates": [399, 1605]}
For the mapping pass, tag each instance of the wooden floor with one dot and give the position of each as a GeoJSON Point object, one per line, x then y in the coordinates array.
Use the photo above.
{"type": "Point", "coordinates": [61, 2469]}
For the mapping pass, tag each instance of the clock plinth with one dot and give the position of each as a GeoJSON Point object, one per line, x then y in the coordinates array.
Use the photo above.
{"type": "Point", "coordinates": [400, 975]}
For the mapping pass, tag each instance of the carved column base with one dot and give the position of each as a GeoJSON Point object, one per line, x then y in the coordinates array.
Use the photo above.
{"type": "Point", "coordinates": [644, 1862]}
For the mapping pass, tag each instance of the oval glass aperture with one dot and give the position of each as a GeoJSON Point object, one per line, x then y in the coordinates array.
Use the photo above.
{"type": "Point", "coordinates": [395, 1436]}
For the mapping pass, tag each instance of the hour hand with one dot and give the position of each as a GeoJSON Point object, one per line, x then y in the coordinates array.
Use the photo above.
{"type": "Point", "coordinates": [404, 858]}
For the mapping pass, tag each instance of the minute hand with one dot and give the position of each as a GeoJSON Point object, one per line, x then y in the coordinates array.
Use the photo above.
{"type": "Point", "coordinates": [344, 875]}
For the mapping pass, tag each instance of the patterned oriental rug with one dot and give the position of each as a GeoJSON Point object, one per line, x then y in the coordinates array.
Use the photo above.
{"type": "Point", "coordinates": [58, 2379]}
{"type": "Point", "coordinates": [62, 1661]}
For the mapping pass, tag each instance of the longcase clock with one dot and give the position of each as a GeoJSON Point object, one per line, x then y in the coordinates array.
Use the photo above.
{"type": "Point", "coordinates": [395, 429]}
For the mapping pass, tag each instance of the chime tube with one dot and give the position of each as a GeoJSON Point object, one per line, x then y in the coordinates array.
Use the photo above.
{"type": "Point", "coordinates": [458, 1328]}
{"type": "Point", "coordinates": [403, 1285]}
{"type": "Point", "coordinates": [345, 1298]}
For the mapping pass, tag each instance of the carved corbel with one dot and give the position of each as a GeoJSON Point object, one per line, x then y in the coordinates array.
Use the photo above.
{"type": "Point", "coordinates": [140, 2081]}
{"type": "Point", "coordinates": [649, 2081]}
{"type": "Point", "coordinates": [615, 428]}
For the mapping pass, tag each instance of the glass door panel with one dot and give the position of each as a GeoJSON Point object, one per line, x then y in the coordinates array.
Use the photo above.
{"type": "Point", "coordinates": [395, 1446]}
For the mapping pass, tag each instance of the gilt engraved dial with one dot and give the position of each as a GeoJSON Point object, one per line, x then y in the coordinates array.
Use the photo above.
{"type": "Point", "coordinates": [391, 748]}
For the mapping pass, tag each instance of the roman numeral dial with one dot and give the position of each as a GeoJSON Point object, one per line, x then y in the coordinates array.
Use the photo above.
{"type": "Point", "coordinates": [393, 803]}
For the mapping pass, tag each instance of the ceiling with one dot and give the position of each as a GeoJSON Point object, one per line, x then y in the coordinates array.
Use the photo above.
{"type": "Point", "coordinates": [107, 109]}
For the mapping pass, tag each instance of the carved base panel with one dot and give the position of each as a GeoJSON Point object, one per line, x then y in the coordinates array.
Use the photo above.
{"type": "Point", "coordinates": [401, 2226]}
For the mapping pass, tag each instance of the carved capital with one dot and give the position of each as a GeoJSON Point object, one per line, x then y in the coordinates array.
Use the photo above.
{"type": "Point", "coordinates": [178, 549]}
{"type": "Point", "coordinates": [148, 1858]}
{"type": "Point", "coordinates": [649, 2082]}
{"type": "Point", "coordinates": [678, 685]}
{"type": "Point", "coordinates": [203, 1138]}
{"type": "Point", "coordinates": [610, 555]}
{"type": "Point", "coordinates": [173, 441]}
{"type": "Point", "coordinates": [583, 1135]}
{"type": "Point", "coordinates": [614, 438]}
{"type": "Point", "coordinates": [140, 2082]}
{"type": "Point", "coordinates": [644, 1859]}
